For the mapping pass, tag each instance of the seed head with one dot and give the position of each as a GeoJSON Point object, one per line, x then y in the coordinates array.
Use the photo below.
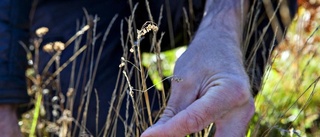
{"type": "Point", "coordinates": [40, 32]}
{"type": "Point", "coordinates": [131, 50]}
{"type": "Point", "coordinates": [58, 46]}
{"type": "Point", "coordinates": [48, 48]}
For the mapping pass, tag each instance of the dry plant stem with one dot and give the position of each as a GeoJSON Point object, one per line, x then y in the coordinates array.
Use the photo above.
{"type": "Point", "coordinates": [312, 85]}
{"type": "Point", "coordinates": [142, 72]}
{"type": "Point", "coordinates": [71, 93]}
{"type": "Point", "coordinates": [57, 81]}
{"type": "Point", "coordinates": [108, 119]}
{"type": "Point", "coordinates": [80, 32]}
{"type": "Point", "coordinates": [312, 34]}
{"type": "Point", "coordinates": [144, 86]}
{"type": "Point", "coordinates": [29, 54]}
{"type": "Point", "coordinates": [117, 108]}
{"type": "Point", "coordinates": [271, 15]}
{"type": "Point", "coordinates": [133, 9]}
{"type": "Point", "coordinates": [82, 87]}
{"type": "Point", "coordinates": [251, 27]}
{"type": "Point", "coordinates": [158, 25]}
{"type": "Point", "coordinates": [101, 48]}
{"type": "Point", "coordinates": [131, 39]}
{"type": "Point", "coordinates": [160, 16]}
{"type": "Point", "coordinates": [94, 70]}
{"type": "Point", "coordinates": [36, 57]}
{"type": "Point", "coordinates": [192, 16]}
{"type": "Point", "coordinates": [206, 134]}
{"type": "Point", "coordinates": [137, 98]}
{"type": "Point", "coordinates": [128, 130]}
{"type": "Point", "coordinates": [187, 22]}
{"type": "Point", "coordinates": [169, 19]}
{"type": "Point", "coordinates": [29, 57]}
{"type": "Point", "coordinates": [149, 11]}
{"type": "Point", "coordinates": [89, 63]}
{"type": "Point", "coordinates": [64, 65]}
{"type": "Point", "coordinates": [121, 95]}
{"type": "Point", "coordinates": [38, 89]}
{"type": "Point", "coordinates": [143, 76]}
{"type": "Point", "coordinates": [114, 96]}
{"type": "Point", "coordinates": [298, 84]}
{"type": "Point", "coordinates": [97, 111]}
{"type": "Point", "coordinates": [273, 23]}
{"type": "Point", "coordinates": [159, 67]}
{"type": "Point", "coordinates": [253, 17]}
{"type": "Point", "coordinates": [131, 95]}
{"type": "Point", "coordinates": [314, 53]}
{"type": "Point", "coordinates": [71, 90]}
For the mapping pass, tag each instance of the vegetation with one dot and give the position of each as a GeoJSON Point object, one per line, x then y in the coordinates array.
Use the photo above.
{"type": "Point", "coordinates": [288, 104]}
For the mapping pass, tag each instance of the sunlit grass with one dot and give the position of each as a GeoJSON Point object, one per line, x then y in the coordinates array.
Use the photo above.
{"type": "Point", "coordinates": [288, 104]}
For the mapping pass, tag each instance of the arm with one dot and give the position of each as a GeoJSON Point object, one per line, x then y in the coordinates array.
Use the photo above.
{"type": "Point", "coordinates": [214, 86]}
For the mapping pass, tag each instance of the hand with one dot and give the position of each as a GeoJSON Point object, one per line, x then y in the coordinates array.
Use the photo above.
{"type": "Point", "coordinates": [9, 122]}
{"type": "Point", "coordinates": [207, 88]}
{"type": "Point", "coordinates": [210, 83]}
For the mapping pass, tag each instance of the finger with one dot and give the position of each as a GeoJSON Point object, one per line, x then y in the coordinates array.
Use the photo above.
{"type": "Point", "coordinates": [238, 119]}
{"type": "Point", "coordinates": [181, 97]}
{"type": "Point", "coordinates": [192, 119]}
{"type": "Point", "coordinates": [212, 106]}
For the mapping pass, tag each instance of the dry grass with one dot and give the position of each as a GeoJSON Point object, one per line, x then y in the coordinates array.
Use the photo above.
{"type": "Point", "coordinates": [268, 120]}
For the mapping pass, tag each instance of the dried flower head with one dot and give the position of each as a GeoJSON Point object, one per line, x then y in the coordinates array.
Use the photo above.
{"type": "Point", "coordinates": [152, 27]}
{"type": "Point", "coordinates": [131, 50]}
{"type": "Point", "coordinates": [147, 27]}
{"type": "Point", "coordinates": [55, 46]}
{"type": "Point", "coordinates": [40, 32]}
{"type": "Point", "coordinates": [123, 60]}
{"type": "Point", "coordinates": [48, 48]}
{"type": "Point", "coordinates": [52, 127]}
{"type": "Point", "coordinates": [54, 99]}
{"type": "Point", "coordinates": [55, 112]}
{"type": "Point", "coordinates": [122, 64]}
{"type": "Point", "coordinates": [45, 91]}
{"type": "Point", "coordinates": [66, 117]}
{"type": "Point", "coordinates": [58, 46]}
{"type": "Point", "coordinates": [70, 92]}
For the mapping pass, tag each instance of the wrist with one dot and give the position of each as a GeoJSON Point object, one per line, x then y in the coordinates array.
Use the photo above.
{"type": "Point", "coordinates": [225, 17]}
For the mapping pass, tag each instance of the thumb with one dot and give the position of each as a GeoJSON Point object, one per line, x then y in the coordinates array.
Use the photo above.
{"type": "Point", "coordinates": [182, 95]}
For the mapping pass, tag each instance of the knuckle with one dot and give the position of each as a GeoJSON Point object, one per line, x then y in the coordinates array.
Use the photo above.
{"type": "Point", "coordinates": [241, 91]}
{"type": "Point", "coordinates": [169, 112]}
{"type": "Point", "coordinates": [193, 123]}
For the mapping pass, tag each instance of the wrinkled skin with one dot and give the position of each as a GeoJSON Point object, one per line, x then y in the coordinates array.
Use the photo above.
{"type": "Point", "coordinates": [210, 83]}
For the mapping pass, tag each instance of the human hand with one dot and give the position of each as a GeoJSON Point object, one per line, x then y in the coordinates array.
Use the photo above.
{"type": "Point", "coordinates": [210, 83]}
{"type": "Point", "coordinates": [9, 122]}
{"type": "Point", "coordinates": [207, 88]}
